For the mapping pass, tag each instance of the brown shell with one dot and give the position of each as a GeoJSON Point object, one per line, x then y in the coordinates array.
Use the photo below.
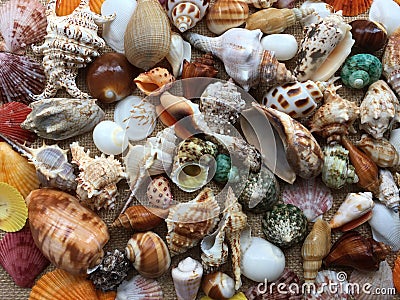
{"type": "Point", "coordinates": [201, 67]}
{"type": "Point", "coordinates": [69, 235]}
{"type": "Point", "coordinates": [368, 35]}
{"type": "Point", "coordinates": [396, 274]}
{"type": "Point", "coordinates": [381, 151]}
{"type": "Point", "coordinates": [350, 8]}
{"type": "Point", "coordinates": [271, 20]}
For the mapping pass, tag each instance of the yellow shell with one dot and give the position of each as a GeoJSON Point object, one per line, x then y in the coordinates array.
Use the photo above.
{"type": "Point", "coordinates": [13, 210]}
{"type": "Point", "coordinates": [17, 171]}
{"type": "Point", "coordinates": [148, 35]}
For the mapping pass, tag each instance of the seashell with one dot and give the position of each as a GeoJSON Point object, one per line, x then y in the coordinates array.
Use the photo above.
{"type": "Point", "coordinates": [109, 78]}
{"type": "Point", "coordinates": [303, 153]}
{"type": "Point", "coordinates": [361, 70]}
{"type": "Point", "coordinates": [391, 61]}
{"type": "Point", "coordinates": [284, 50]}
{"type": "Point", "coordinates": [218, 285]}
{"type": "Point", "coordinates": [394, 139]}
{"type": "Point", "coordinates": [113, 32]}
{"type": "Point", "coordinates": [179, 51]}
{"type": "Point", "coordinates": [355, 210]}
{"type": "Point", "coordinates": [335, 118]}
{"type": "Point", "coordinates": [382, 279]}
{"type": "Point", "coordinates": [140, 218]}
{"type": "Point", "coordinates": [20, 257]}
{"type": "Point", "coordinates": [62, 118]}
{"type": "Point", "coordinates": [285, 225]}
{"type": "Point", "coordinates": [136, 116]}
{"type": "Point", "coordinates": [20, 77]}
{"type": "Point", "coordinates": [12, 114]}
{"type": "Point", "coordinates": [68, 234]}
{"type": "Point", "coordinates": [185, 14]}
{"type": "Point", "coordinates": [65, 51]}
{"type": "Point", "coordinates": [275, 20]}
{"type": "Point", "coordinates": [159, 192]}
{"type": "Point", "coordinates": [13, 208]}
{"type": "Point", "coordinates": [189, 222]}
{"type": "Point", "coordinates": [110, 138]}
{"type": "Point", "coordinates": [321, 290]}
{"type": "Point", "coordinates": [22, 23]}
{"type": "Point", "coordinates": [139, 288]}
{"type": "Point", "coordinates": [330, 55]}
{"type": "Point", "coordinates": [378, 109]}
{"type": "Point", "coordinates": [153, 80]}
{"type": "Point", "coordinates": [226, 14]}
{"type": "Point", "coordinates": [396, 274]}
{"type": "Point", "coordinates": [202, 66]}
{"type": "Point", "coordinates": [351, 8]}
{"type": "Point", "coordinates": [60, 283]}
{"type": "Point", "coordinates": [385, 225]}
{"type": "Point", "coordinates": [224, 171]}
{"type": "Point", "coordinates": [311, 196]}
{"type": "Point", "coordinates": [385, 12]}
{"type": "Point", "coordinates": [148, 254]}
{"type": "Point", "coordinates": [97, 178]}
{"type": "Point", "coordinates": [315, 247]}
{"type": "Point", "coordinates": [381, 151]}
{"type": "Point", "coordinates": [148, 35]}
{"type": "Point", "coordinates": [64, 7]}
{"type": "Point", "coordinates": [321, 10]}
{"type": "Point", "coordinates": [366, 169]}
{"type": "Point", "coordinates": [368, 35]}
{"type": "Point", "coordinates": [261, 3]}
{"type": "Point", "coordinates": [337, 170]}
{"type": "Point", "coordinates": [214, 249]}
{"type": "Point", "coordinates": [239, 46]}
{"type": "Point", "coordinates": [353, 250]}
{"type": "Point", "coordinates": [106, 295]}
{"type": "Point", "coordinates": [17, 171]}
{"type": "Point", "coordinates": [187, 277]}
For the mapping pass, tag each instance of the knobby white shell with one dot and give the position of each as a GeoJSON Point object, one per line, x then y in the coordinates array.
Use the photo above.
{"type": "Point", "coordinates": [187, 278]}
{"type": "Point", "coordinates": [284, 45]}
{"type": "Point", "coordinates": [110, 138]}
{"type": "Point", "coordinates": [321, 10]}
{"type": "Point", "coordinates": [388, 190]}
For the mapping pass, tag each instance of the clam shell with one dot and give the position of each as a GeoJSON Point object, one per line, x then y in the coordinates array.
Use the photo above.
{"type": "Point", "coordinates": [139, 288]}
{"type": "Point", "coordinates": [187, 277]}
{"type": "Point", "coordinates": [285, 49]}
{"type": "Point", "coordinates": [23, 22]}
{"type": "Point", "coordinates": [152, 80]}
{"type": "Point", "coordinates": [351, 8]}
{"type": "Point", "coordinates": [13, 210]}
{"type": "Point", "coordinates": [310, 195]}
{"type": "Point", "coordinates": [385, 12]}
{"type": "Point", "coordinates": [20, 257]}
{"type": "Point", "coordinates": [66, 7]}
{"type": "Point", "coordinates": [110, 138]}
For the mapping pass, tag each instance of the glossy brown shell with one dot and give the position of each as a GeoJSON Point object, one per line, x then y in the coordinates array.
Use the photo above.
{"type": "Point", "coordinates": [368, 35]}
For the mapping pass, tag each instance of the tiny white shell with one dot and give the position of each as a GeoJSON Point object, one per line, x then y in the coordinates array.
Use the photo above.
{"type": "Point", "coordinates": [110, 138]}
{"type": "Point", "coordinates": [284, 45]}
{"type": "Point", "coordinates": [387, 13]}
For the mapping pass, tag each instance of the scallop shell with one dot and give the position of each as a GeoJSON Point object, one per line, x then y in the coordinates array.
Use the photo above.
{"type": "Point", "coordinates": [189, 222]}
{"type": "Point", "coordinates": [396, 274]}
{"type": "Point", "coordinates": [139, 288]}
{"type": "Point", "coordinates": [23, 22]}
{"type": "Point", "coordinates": [310, 195]}
{"type": "Point", "coordinates": [323, 282]}
{"type": "Point", "coordinates": [361, 70]}
{"type": "Point", "coordinates": [60, 284]}
{"type": "Point", "coordinates": [62, 118]}
{"type": "Point", "coordinates": [385, 12]}
{"type": "Point", "coordinates": [12, 114]}
{"type": "Point", "coordinates": [187, 277]}
{"type": "Point", "coordinates": [17, 171]}
{"type": "Point", "coordinates": [391, 61]}
{"type": "Point", "coordinates": [185, 14]}
{"type": "Point", "coordinates": [110, 138]}
{"type": "Point", "coordinates": [179, 51]}
{"type": "Point", "coordinates": [385, 226]}
{"type": "Point", "coordinates": [148, 35]}
{"type": "Point", "coordinates": [66, 7]}
{"type": "Point", "coordinates": [13, 208]}
{"type": "Point", "coordinates": [20, 257]}
{"type": "Point", "coordinates": [106, 295]}
{"type": "Point", "coordinates": [381, 151]}
{"type": "Point", "coordinates": [20, 77]}
{"type": "Point", "coordinates": [351, 8]}
{"type": "Point", "coordinates": [159, 192]}
{"type": "Point", "coordinates": [152, 80]}
{"type": "Point", "coordinates": [368, 35]}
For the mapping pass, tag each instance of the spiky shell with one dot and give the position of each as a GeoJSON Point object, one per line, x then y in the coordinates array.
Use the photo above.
{"type": "Point", "coordinates": [187, 277]}
{"type": "Point", "coordinates": [391, 61]}
{"type": "Point", "coordinates": [13, 209]}
{"type": "Point", "coordinates": [388, 190]}
{"type": "Point", "coordinates": [185, 14]}
{"type": "Point", "coordinates": [361, 70]}
{"type": "Point", "coordinates": [310, 195]}
{"type": "Point", "coordinates": [285, 225]}
{"type": "Point", "coordinates": [381, 151]}
{"type": "Point", "coordinates": [139, 288]}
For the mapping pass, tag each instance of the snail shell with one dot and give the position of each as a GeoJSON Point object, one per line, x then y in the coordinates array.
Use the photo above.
{"type": "Point", "coordinates": [110, 138]}
{"type": "Point", "coordinates": [185, 14]}
{"type": "Point", "coordinates": [368, 35]}
{"type": "Point", "coordinates": [381, 151]}
{"type": "Point", "coordinates": [218, 285]}
{"type": "Point", "coordinates": [187, 277]}
{"type": "Point", "coordinates": [361, 70]}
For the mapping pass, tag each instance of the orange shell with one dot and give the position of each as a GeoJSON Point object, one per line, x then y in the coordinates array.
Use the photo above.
{"type": "Point", "coordinates": [396, 274]}
{"type": "Point", "coordinates": [106, 295]}
{"type": "Point", "coordinates": [65, 7]}
{"type": "Point", "coordinates": [350, 8]}
{"type": "Point", "coordinates": [152, 80]}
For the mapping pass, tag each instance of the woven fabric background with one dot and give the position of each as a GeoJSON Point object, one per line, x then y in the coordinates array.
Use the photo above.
{"type": "Point", "coordinates": [119, 237]}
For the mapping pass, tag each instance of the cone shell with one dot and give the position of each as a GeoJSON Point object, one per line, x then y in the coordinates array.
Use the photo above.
{"type": "Point", "coordinates": [350, 8]}
{"type": "Point", "coordinates": [66, 7]}
{"type": "Point", "coordinates": [17, 171]}
{"type": "Point", "coordinates": [13, 210]}
{"type": "Point", "coordinates": [153, 80]}
{"type": "Point", "coordinates": [396, 273]}
{"type": "Point", "coordinates": [187, 277]}
{"type": "Point", "coordinates": [148, 35]}
{"type": "Point", "coordinates": [61, 285]}
{"type": "Point", "coordinates": [159, 192]}
{"type": "Point", "coordinates": [20, 257]}
{"type": "Point", "coordinates": [391, 61]}
{"type": "Point", "coordinates": [139, 288]}
{"type": "Point", "coordinates": [23, 22]}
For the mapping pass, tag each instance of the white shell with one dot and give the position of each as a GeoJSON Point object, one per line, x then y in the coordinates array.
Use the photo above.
{"type": "Point", "coordinates": [388, 190]}
{"type": "Point", "coordinates": [354, 206]}
{"type": "Point", "coordinates": [136, 116]}
{"type": "Point", "coordinates": [395, 139]}
{"type": "Point", "coordinates": [185, 14]}
{"type": "Point", "coordinates": [284, 45]}
{"type": "Point", "coordinates": [385, 225]}
{"type": "Point", "coordinates": [387, 13]}
{"type": "Point", "coordinates": [178, 51]}
{"type": "Point", "coordinates": [114, 32]}
{"type": "Point", "coordinates": [110, 138]}
{"type": "Point", "coordinates": [187, 278]}
{"type": "Point", "coordinates": [321, 10]}
{"type": "Point", "coordinates": [139, 288]}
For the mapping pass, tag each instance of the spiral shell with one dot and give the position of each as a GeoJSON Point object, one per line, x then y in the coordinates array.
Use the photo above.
{"type": "Point", "coordinates": [361, 70]}
{"type": "Point", "coordinates": [153, 80]}
{"type": "Point", "coordinates": [185, 14]}
{"type": "Point", "coordinates": [388, 190]}
{"type": "Point", "coordinates": [381, 151]}
{"type": "Point", "coordinates": [391, 61]}
{"type": "Point", "coordinates": [187, 277]}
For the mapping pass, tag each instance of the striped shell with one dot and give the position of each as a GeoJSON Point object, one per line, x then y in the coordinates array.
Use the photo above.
{"type": "Point", "coordinates": [187, 277]}
{"type": "Point", "coordinates": [185, 14]}
{"type": "Point", "coordinates": [139, 288]}
{"type": "Point", "coordinates": [381, 151]}
{"type": "Point", "coordinates": [66, 7]}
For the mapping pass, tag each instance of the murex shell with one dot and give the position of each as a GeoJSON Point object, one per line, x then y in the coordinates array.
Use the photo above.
{"type": "Point", "coordinates": [62, 118]}
{"type": "Point", "coordinates": [388, 190]}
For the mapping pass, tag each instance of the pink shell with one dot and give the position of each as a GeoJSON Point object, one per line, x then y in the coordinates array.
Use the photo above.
{"type": "Point", "coordinates": [310, 195]}
{"type": "Point", "coordinates": [159, 192]}
{"type": "Point", "coordinates": [20, 77]}
{"type": "Point", "coordinates": [23, 22]}
{"type": "Point", "coordinates": [11, 116]}
{"type": "Point", "coordinates": [20, 257]}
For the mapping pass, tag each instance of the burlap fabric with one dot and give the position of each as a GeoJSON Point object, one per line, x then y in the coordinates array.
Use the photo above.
{"type": "Point", "coordinates": [119, 237]}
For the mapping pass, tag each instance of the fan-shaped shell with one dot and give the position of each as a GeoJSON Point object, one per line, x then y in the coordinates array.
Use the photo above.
{"type": "Point", "coordinates": [23, 22]}
{"type": "Point", "coordinates": [13, 210]}
{"type": "Point", "coordinates": [20, 77]}
{"type": "Point", "coordinates": [61, 285]}
{"type": "Point", "coordinates": [310, 195]}
{"type": "Point", "coordinates": [66, 7]}
{"type": "Point", "coordinates": [350, 8]}
{"type": "Point", "coordinates": [17, 171]}
{"type": "Point", "coordinates": [139, 288]}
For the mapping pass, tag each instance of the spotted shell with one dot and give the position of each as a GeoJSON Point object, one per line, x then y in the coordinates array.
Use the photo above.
{"type": "Point", "coordinates": [153, 80]}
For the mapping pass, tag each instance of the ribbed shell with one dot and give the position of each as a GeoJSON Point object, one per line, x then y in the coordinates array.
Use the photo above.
{"type": "Point", "coordinates": [13, 210]}
{"type": "Point", "coordinates": [65, 7]}
{"type": "Point", "coordinates": [139, 288]}
{"type": "Point", "coordinates": [187, 277]}
{"type": "Point", "coordinates": [350, 8]}
{"type": "Point", "coordinates": [148, 35]}
{"type": "Point", "coordinates": [381, 151]}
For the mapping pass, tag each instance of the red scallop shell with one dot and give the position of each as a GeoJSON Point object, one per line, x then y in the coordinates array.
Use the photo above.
{"type": "Point", "coordinates": [350, 8]}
